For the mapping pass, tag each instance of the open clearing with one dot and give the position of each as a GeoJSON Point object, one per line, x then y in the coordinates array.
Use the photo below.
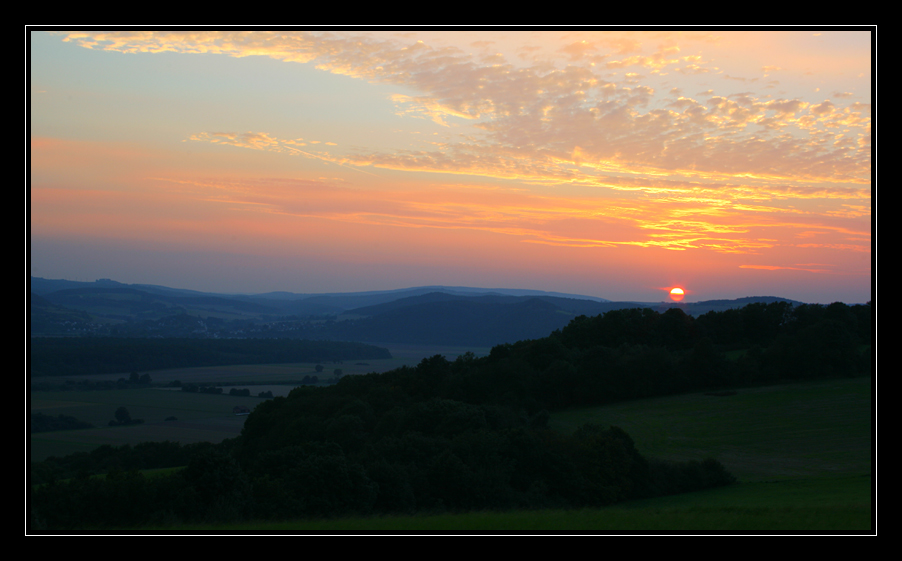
{"type": "Point", "coordinates": [810, 429]}
{"type": "Point", "coordinates": [200, 417]}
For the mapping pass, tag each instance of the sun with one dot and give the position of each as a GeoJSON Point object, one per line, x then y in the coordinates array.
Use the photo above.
{"type": "Point", "coordinates": [676, 294]}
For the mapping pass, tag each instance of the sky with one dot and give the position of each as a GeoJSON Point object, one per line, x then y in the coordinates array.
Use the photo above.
{"type": "Point", "coordinates": [610, 163]}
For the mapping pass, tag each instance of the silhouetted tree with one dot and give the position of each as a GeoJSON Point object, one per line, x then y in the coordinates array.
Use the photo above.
{"type": "Point", "coordinates": [122, 416]}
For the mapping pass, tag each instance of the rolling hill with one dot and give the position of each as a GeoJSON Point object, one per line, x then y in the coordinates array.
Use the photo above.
{"type": "Point", "coordinates": [480, 317]}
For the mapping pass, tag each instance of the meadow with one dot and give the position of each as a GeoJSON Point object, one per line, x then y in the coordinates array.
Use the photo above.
{"type": "Point", "coordinates": [199, 417]}
{"type": "Point", "coordinates": [807, 429]}
{"type": "Point", "coordinates": [808, 506]}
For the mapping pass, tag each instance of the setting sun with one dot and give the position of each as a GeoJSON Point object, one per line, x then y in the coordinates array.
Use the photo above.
{"type": "Point", "coordinates": [676, 294]}
{"type": "Point", "coordinates": [579, 162]}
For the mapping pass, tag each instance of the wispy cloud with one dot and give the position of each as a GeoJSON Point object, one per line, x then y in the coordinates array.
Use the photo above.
{"type": "Point", "coordinates": [784, 268]}
{"type": "Point", "coordinates": [710, 143]}
{"type": "Point", "coordinates": [554, 111]}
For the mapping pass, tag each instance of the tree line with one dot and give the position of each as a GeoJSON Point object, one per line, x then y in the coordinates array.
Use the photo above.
{"type": "Point", "coordinates": [71, 356]}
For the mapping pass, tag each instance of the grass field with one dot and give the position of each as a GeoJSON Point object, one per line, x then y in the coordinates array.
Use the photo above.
{"type": "Point", "coordinates": [838, 505]}
{"type": "Point", "coordinates": [811, 429]}
{"type": "Point", "coordinates": [200, 417]}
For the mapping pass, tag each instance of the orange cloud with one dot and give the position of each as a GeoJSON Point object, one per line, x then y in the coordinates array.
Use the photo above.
{"type": "Point", "coordinates": [779, 268]}
{"type": "Point", "coordinates": [568, 141]}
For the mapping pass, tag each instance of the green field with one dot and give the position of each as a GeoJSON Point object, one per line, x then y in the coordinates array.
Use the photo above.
{"type": "Point", "coordinates": [838, 505]}
{"type": "Point", "coordinates": [811, 429]}
{"type": "Point", "coordinates": [200, 417]}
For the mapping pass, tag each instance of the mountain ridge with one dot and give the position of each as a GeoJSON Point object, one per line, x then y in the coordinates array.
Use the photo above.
{"type": "Point", "coordinates": [41, 286]}
{"type": "Point", "coordinates": [419, 315]}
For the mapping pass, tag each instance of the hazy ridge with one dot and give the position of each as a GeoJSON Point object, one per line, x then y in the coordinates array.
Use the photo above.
{"type": "Point", "coordinates": [479, 317]}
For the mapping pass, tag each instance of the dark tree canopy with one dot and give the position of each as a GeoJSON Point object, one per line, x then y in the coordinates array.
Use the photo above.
{"type": "Point", "coordinates": [122, 416]}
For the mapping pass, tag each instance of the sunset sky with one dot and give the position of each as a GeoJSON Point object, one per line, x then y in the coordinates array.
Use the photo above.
{"type": "Point", "coordinates": [616, 163]}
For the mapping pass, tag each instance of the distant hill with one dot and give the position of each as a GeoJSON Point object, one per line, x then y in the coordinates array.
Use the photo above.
{"type": "Point", "coordinates": [476, 321]}
{"type": "Point", "coordinates": [124, 303]}
{"type": "Point", "coordinates": [572, 305]}
{"type": "Point", "coordinates": [429, 315]}
{"type": "Point", "coordinates": [106, 298]}
{"type": "Point", "coordinates": [53, 319]}
{"type": "Point", "coordinates": [42, 286]}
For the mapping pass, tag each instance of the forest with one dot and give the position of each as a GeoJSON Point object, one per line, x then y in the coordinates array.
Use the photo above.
{"type": "Point", "coordinates": [467, 434]}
